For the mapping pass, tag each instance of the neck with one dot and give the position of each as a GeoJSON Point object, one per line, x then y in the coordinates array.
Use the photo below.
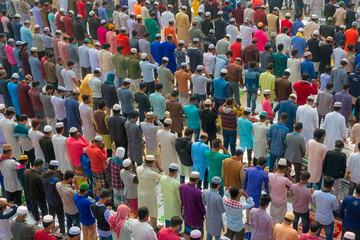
{"type": "Point", "coordinates": [313, 234]}
{"type": "Point", "coordinates": [101, 201]}
{"type": "Point", "coordinates": [263, 207]}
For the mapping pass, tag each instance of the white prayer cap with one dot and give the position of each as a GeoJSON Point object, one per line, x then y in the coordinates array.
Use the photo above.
{"type": "Point", "coordinates": [228, 35]}
{"type": "Point", "coordinates": [46, 29]}
{"type": "Point", "coordinates": [182, 42]}
{"type": "Point", "coordinates": [18, 43]}
{"type": "Point", "coordinates": [11, 40]}
{"type": "Point", "coordinates": [200, 12]}
{"type": "Point", "coordinates": [169, 6]}
{"type": "Point", "coordinates": [282, 162]}
{"type": "Point", "coordinates": [195, 174]}
{"type": "Point", "coordinates": [220, 13]}
{"type": "Point", "coordinates": [15, 75]}
{"type": "Point", "coordinates": [71, 12]}
{"type": "Point", "coordinates": [116, 107]}
{"type": "Point", "coordinates": [54, 163]}
{"type": "Point", "coordinates": [97, 44]}
{"type": "Point", "coordinates": [174, 166]}
{"type": "Point", "coordinates": [249, 4]}
{"type": "Point", "coordinates": [123, 28]}
{"type": "Point", "coordinates": [354, 24]}
{"type": "Point", "coordinates": [288, 70]}
{"type": "Point", "coordinates": [150, 158]}
{"type": "Point", "coordinates": [308, 53]}
{"type": "Point", "coordinates": [133, 50]}
{"type": "Point", "coordinates": [158, 35]}
{"type": "Point", "coordinates": [267, 91]}
{"type": "Point", "coordinates": [2, 106]}
{"type": "Point", "coordinates": [232, 20]}
{"type": "Point", "coordinates": [74, 231]}
{"type": "Point", "coordinates": [61, 88]}
{"type": "Point", "coordinates": [314, 16]}
{"type": "Point", "coordinates": [63, 10]}
{"type": "Point", "coordinates": [293, 95]}
{"type": "Point", "coordinates": [58, 31]}
{"type": "Point", "coordinates": [212, 31]}
{"type": "Point", "coordinates": [17, 16]}
{"type": "Point", "coordinates": [310, 98]}
{"type": "Point", "coordinates": [48, 219]}
{"type": "Point", "coordinates": [98, 138]}
{"type": "Point", "coordinates": [27, 22]}
{"type": "Point", "coordinates": [184, 7]}
{"type": "Point", "coordinates": [238, 37]}
{"type": "Point", "coordinates": [103, 21]}
{"type": "Point", "coordinates": [247, 109]}
{"type": "Point", "coordinates": [59, 125]}
{"type": "Point", "coordinates": [273, 34]}
{"type": "Point", "coordinates": [171, 20]}
{"type": "Point", "coordinates": [337, 104]}
{"type": "Point", "coordinates": [195, 234]}
{"type": "Point", "coordinates": [91, 13]}
{"type": "Point", "coordinates": [168, 121]}
{"type": "Point", "coordinates": [33, 49]}
{"type": "Point", "coordinates": [288, 14]}
{"type": "Point", "coordinates": [156, 3]}
{"type": "Point", "coordinates": [199, 67]}
{"type": "Point", "coordinates": [183, 64]}
{"type": "Point", "coordinates": [73, 130]}
{"type": "Point", "coordinates": [196, 40]}
{"type": "Point", "coordinates": [316, 32]}
{"type": "Point", "coordinates": [224, 71]}
{"type": "Point", "coordinates": [207, 14]}
{"type": "Point", "coordinates": [342, 27]}
{"type": "Point", "coordinates": [22, 210]}
{"type": "Point", "coordinates": [149, 115]}
{"type": "Point", "coordinates": [211, 46]}
{"type": "Point", "coordinates": [276, 9]}
{"type": "Point", "coordinates": [208, 102]}
{"type": "Point", "coordinates": [165, 59]}
{"type": "Point", "coordinates": [344, 59]}
{"type": "Point", "coordinates": [300, 30]}
{"type": "Point", "coordinates": [47, 128]}
{"type": "Point", "coordinates": [224, 238]}
{"type": "Point", "coordinates": [126, 162]}
{"type": "Point", "coordinates": [349, 235]}
{"type": "Point", "coordinates": [120, 152]}
{"type": "Point", "coordinates": [127, 80]}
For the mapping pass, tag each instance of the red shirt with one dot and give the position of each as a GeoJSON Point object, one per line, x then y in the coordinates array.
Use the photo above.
{"type": "Point", "coordinates": [41, 235]}
{"type": "Point", "coordinates": [123, 40]}
{"type": "Point", "coordinates": [97, 158]}
{"type": "Point", "coordinates": [69, 25]}
{"type": "Point", "coordinates": [81, 9]}
{"type": "Point", "coordinates": [236, 49]}
{"type": "Point", "coordinates": [43, 73]}
{"type": "Point", "coordinates": [303, 90]}
{"type": "Point", "coordinates": [286, 23]}
{"type": "Point", "coordinates": [167, 234]}
{"type": "Point", "coordinates": [60, 25]}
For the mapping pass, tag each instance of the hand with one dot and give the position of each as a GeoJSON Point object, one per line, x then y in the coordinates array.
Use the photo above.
{"type": "Point", "coordinates": [313, 81]}
{"type": "Point", "coordinates": [102, 145]}
{"type": "Point", "coordinates": [132, 215]}
{"type": "Point", "coordinates": [287, 51]}
{"type": "Point", "coordinates": [267, 122]}
{"type": "Point", "coordinates": [157, 164]}
{"type": "Point", "coordinates": [200, 104]}
{"type": "Point", "coordinates": [156, 118]}
{"type": "Point", "coordinates": [109, 207]}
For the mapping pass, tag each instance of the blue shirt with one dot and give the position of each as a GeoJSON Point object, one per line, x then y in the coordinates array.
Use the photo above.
{"type": "Point", "coordinates": [192, 113]}
{"type": "Point", "coordinates": [102, 13]}
{"type": "Point", "coordinates": [324, 79]}
{"type": "Point", "coordinates": [47, 40]}
{"type": "Point", "coordinates": [226, 10]}
{"type": "Point", "coordinates": [169, 52]}
{"type": "Point", "coordinates": [295, 26]}
{"type": "Point", "coordinates": [299, 43]}
{"type": "Point", "coordinates": [17, 57]}
{"type": "Point", "coordinates": [26, 36]}
{"type": "Point", "coordinates": [16, 26]}
{"type": "Point", "coordinates": [252, 79]}
{"type": "Point", "coordinates": [158, 104]}
{"type": "Point", "coordinates": [86, 164]}
{"type": "Point", "coordinates": [148, 71]}
{"type": "Point", "coordinates": [197, 155]}
{"type": "Point", "coordinates": [83, 205]}
{"type": "Point", "coordinates": [13, 90]}
{"type": "Point", "coordinates": [289, 108]}
{"type": "Point", "coordinates": [254, 179]}
{"type": "Point", "coordinates": [220, 88]}
{"type": "Point", "coordinates": [307, 66]}
{"type": "Point", "coordinates": [72, 113]}
{"type": "Point", "coordinates": [126, 100]}
{"type": "Point", "coordinates": [325, 203]}
{"type": "Point", "coordinates": [84, 57]}
{"type": "Point", "coordinates": [357, 60]}
{"type": "Point", "coordinates": [156, 51]}
{"type": "Point", "coordinates": [35, 66]}
{"type": "Point", "coordinates": [245, 133]}
{"type": "Point", "coordinates": [277, 136]}
{"type": "Point", "coordinates": [350, 212]}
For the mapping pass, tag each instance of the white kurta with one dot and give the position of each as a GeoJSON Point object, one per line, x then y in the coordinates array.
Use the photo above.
{"type": "Point", "coordinates": [7, 127]}
{"type": "Point", "coordinates": [335, 128]}
{"type": "Point", "coordinates": [233, 31]}
{"type": "Point", "coordinates": [87, 117]}
{"type": "Point", "coordinates": [166, 16]}
{"type": "Point", "coordinates": [168, 151]}
{"type": "Point", "coordinates": [294, 65]}
{"type": "Point", "coordinates": [61, 152]}
{"type": "Point", "coordinates": [286, 40]}
{"type": "Point", "coordinates": [310, 120]}
{"type": "Point", "coordinates": [246, 33]}
{"type": "Point", "coordinates": [94, 59]}
{"type": "Point", "coordinates": [147, 189]}
{"type": "Point", "coordinates": [260, 140]}
{"type": "Point", "coordinates": [35, 137]}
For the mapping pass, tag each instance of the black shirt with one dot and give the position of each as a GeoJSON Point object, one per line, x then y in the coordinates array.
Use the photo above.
{"type": "Point", "coordinates": [220, 29]}
{"type": "Point", "coordinates": [338, 37]}
{"type": "Point", "coordinates": [206, 25]}
{"type": "Point", "coordinates": [195, 57]}
{"type": "Point", "coordinates": [79, 31]}
{"type": "Point", "coordinates": [208, 121]}
{"type": "Point", "coordinates": [94, 24]}
{"type": "Point", "coordinates": [334, 164]}
{"type": "Point", "coordinates": [329, 10]}
{"type": "Point", "coordinates": [207, 41]}
{"type": "Point", "coordinates": [5, 92]}
{"type": "Point", "coordinates": [325, 57]}
{"type": "Point", "coordinates": [144, 104]}
{"type": "Point", "coordinates": [183, 149]}
{"type": "Point", "coordinates": [314, 48]}
{"type": "Point", "coordinates": [327, 30]}
{"type": "Point", "coordinates": [350, 17]}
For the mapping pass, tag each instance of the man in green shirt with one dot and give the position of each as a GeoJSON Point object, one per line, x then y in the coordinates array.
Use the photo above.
{"type": "Point", "coordinates": [215, 161]}
{"type": "Point", "coordinates": [134, 70]}
{"type": "Point", "coordinates": [267, 81]}
{"type": "Point", "coordinates": [120, 65]}
{"type": "Point", "coordinates": [280, 61]}
{"type": "Point", "coordinates": [152, 26]}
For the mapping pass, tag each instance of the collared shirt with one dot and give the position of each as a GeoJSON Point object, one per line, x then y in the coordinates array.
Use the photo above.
{"type": "Point", "coordinates": [278, 187]}
{"type": "Point", "coordinates": [338, 55]}
{"type": "Point", "coordinates": [338, 77]}
{"type": "Point", "coordinates": [302, 197]}
{"type": "Point", "coordinates": [262, 224]}
{"type": "Point", "coordinates": [325, 203]}
{"type": "Point", "coordinates": [114, 167]}
{"type": "Point", "coordinates": [277, 136]}
{"type": "Point", "coordinates": [148, 70]}
{"type": "Point", "coordinates": [158, 104]}
{"type": "Point", "coordinates": [290, 108]}
{"type": "Point", "coordinates": [149, 130]}
{"type": "Point", "coordinates": [199, 83]}
{"type": "Point", "coordinates": [47, 40]}
{"type": "Point", "coordinates": [144, 46]}
{"type": "Point", "coordinates": [95, 86]}
{"type": "Point", "coordinates": [84, 56]}
{"type": "Point", "coordinates": [353, 166]}
{"type": "Point", "coordinates": [192, 113]}
{"type": "Point", "coordinates": [67, 193]}
{"type": "Point", "coordinates": [83, 204]}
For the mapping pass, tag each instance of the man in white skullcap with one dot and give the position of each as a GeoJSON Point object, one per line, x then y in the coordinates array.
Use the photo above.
{"type": "Point", "coordinates": [183, 23]}
{"type": "Point", "coordinates": [165, 77]}
{"type": "Point", "coordinates": [149, 131]}
{"type": "Point", "coordinates": [167, 143]}
{"type": "Point", "coordinates": [20, 228]}
{"type": "Point", "coordinates": [130, 180]}
{"type": "Point", "coordinates": [48, 224]}
{"type": "Point", "coordinates": [74, 233]}
{"type": "Point", "coordinates": [312, 25]}
{"type": "Point", "coordinates": [47, 145]}
{"type": "Point", "coordinates": [309, 118]}
{"type": "Point", "coordinates": [60, 148]}
{"type": "Point", "coordinates": [147, 195]}
{"type": "Point", "coordinates": [232, 30]}
{"type": "Point", "coordinates": [335, 127]}
{"type": "Point", "coordinates": [171, 194]}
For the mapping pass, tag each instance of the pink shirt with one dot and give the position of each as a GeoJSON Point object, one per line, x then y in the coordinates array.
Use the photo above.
{"type": "Point", "coordinates": [101, 31]}
{"type": "Point", "coordinates": [75, 149]}
{"type": "Point", "coordinates": [302, 197]}
{"type": "Point", "coordinates": [278, 187]}
{"type": "Point", "coordinates": [261, 35]}
{"type": "Point", "coordinates": [306, 236]}
{"type": "Point", "coordinates": [9, 53]}
{"type": "Point", "coordinates": [266, 106]}
{"type": "Point", "coordinates": [112, 39]}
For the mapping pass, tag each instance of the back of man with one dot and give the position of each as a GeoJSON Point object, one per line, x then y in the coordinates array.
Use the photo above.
{"type": "Point", "coordinates": [285, 232]}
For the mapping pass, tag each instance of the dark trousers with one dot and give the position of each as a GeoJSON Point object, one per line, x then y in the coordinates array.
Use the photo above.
{"type": "Point", "coordinates": [229, 139]}
{"type": "Point", "coordinates": [273, 158]}
{"type": "Point", "coordinates": [72, 220]}
{"type": "Point", "coordinates": [96, 103]}
{"type": "Point", "coordinates": [179, 134]}
{"type": "Point", "coordinates": [205, 183]}
{"type": "Point", "coordinates": [7, 68]}
{"type": "Point", "coordinates": [35, 208]}
{"type": "Point", "coordinates": [31, 156]}
{"type": "Point", "coordinates": [14, 197]}
{"type": "Point", "coordinates": [218, 102]}
{"type": "Point", "coordinates": [249, 153]}
{"type": "Point", "coordinates": [321, 117]}
{"type": "Point", "coordinates": [85, 71]}
{"type": "Point", "coordinates": [238, 235]}
{"type": "Point", "coordinates": [150, 88]}
{"type": "Point", "coordinates": [351, 188]}
{"type": "Point", "coordinates": [59, 212]}
{"type": "Point", "coordinates": [329, 231]}
{"type": "Point", "coordinates": [305, 219]}
{"type": "Point", "coordinates": [297, 167]}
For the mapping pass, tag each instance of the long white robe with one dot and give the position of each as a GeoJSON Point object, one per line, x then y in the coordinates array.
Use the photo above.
{"type": "Point", "coordinates": [147, 189]}
{"type": "Point", "coordinates": [260, 141]}
{"type": "Point", "coordinates": [61, 152]}
{"type": "Point", "coordinates": [233, 31]}
{"type": "Point", "coordinates": [7, 127]}
{"type": "Point", "coordinates": [35, 137]}
{"type": "Point", "coordinates": [168, 151]}
{"type": "Point", "coordinates": [310, 120]}
{"type": "Point", "coordinates": [246, 33]}
{"type": "Point", "coordinates": [335, 128]}
{"type": "Point", "coordinates": [294, 65]}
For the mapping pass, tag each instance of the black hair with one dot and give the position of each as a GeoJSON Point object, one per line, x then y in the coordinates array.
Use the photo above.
{"type": "Point", "coordinates": [350, 47]}
{"type": "Point", "coordinates": [172, 170]}
{"type": "Point", "coordinates": [50, 54]}
{"type": "Point", "coordinates": [192, 98]}
{"type": "Point", "coordinates": [70, 63]}
{"type": "Point", "coordinates": [319, 133]}
{"type": "Point", "coordinates": [85, 97]}
{"type": "Point", "coordinates": [234, 192]}
{"type": "Point", "coordinates": [23, 117]}
{"type": "Point", "coordinates": [58, 130]}
{"type": "Point", "coordinates": [294, 52]}
{"type": "Point", "coordinates": [142, 212]}
{"type": "Point", "coordinates": [175, 221]}
{"type": "Point", "coordinates": [270, 66]}
{"type": "Point", "coordinates": [142, 85]}
{"type": "Point", "coordinates": [45, 224]}
{"type": "Point", "coordinates": [357, 187]}
{"type": "Point", "coordinates": [252, 64]}
{"type": "Point", "coordinates": [214, 185]}
{"type": "Point", "coordinates": [339, 144]}
{"type": "Point", "coordinates": [68, 174]}
{"type": "Point", "coordinates": [175, 93]}
{"type": "Point", "coordinates": [188, 131]}
{"type": "Point", "coordinates": [146, 35]}
{"type": "Point", "coordinates": [267, 47]}
{"type": "Point", "coordinates": [298, 126]}
{"type": "Point", "coordinates": [329, 85]}
{"type": "Point", "coordinates": [216, 143]}
{"type": "Point", "coordinates": [38, 162]}
{"type": "Point", "coordinates": [284, 116]}
{"type": "Point", "coordinates": [229, 101]}
{"type": "Point", "coordinates": [229, 53]}
{"type": "Point", "coordinates": [96, 71]}
{"type": "Point", "coordinates": [158, 86]}
{"type": "Point", "coordinates": [343, 62]}
{"type": "Point", "coordinates": [101, 104]}
{"type": "Point", "coordinates": [166, 125]}
{"type": "Point", "coordinates": [299, 15]}
{"type": "Point", "coordinates": [346, 86]}
{"type": "Point", "coordinates": [280, 47]}
{"type": "Point", "coordinates": [105, 193]}
{"type": "Point", "coordinates": [265, 199]}
{"type": "Point", "coordinates": [193, 179]}
{"type": "Point", "coordinates": [315, 226]}
{"type": "Point", "coordinates": [238, 152]}
{"type": "Point", "coordinates": [305, 76]}
{"type": "Point", "coordinates": [106, 45]}
{"type": "Point", "coordinates": [341, 43]}
{"type": "Point", "coordinates": [305, 175]}
{"type": "Point", "coordinates": [120, 47]}
{"type": "Point", "coordinates": [328, 181]}
{"type": "Point", "coordinates": [134, 114]}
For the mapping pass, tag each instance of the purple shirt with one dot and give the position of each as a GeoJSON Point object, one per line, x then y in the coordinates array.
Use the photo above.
{"type": "Point", "coordinates": [346, 101]}
{"type": "Point", "coordinates": [194, 209]}
{"type": "Point", "coordinates": [302, 197]}
{"type": "Point", "coordinates": [262, 224]}
{"type": "Point", "coordinates": [324, 79]}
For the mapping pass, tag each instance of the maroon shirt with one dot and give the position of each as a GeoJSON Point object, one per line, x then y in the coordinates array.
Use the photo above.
{"type": "Point", "coordinates": [24, 99]}
{"type": "Point", "coordinates": [60, 25]}
{"type": "Point", "coordinates": [35, 100]}
{"type": "Point", "coordinates": [24, 57]}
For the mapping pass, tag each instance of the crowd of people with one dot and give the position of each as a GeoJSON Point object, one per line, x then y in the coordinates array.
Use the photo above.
{"type": "Point", "coordinates": [105, 106]}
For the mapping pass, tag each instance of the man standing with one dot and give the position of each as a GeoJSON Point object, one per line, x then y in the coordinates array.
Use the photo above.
{"type": "Point", "coordinates": [119, 62]}
{"type": "Point", "coordinates": [267, 81]}
{"type": "Point", "coordinates": [309, 117]}
{"type": "Point", "coordinates": [261, 221]}
{"type": "Point", "coordinates": [45, 98]}
{"type": "Point", "coordinates": [176, 113]}
{"type": "Point", "coordinates": [150, 130]}
{"type": "Point", "coordinates": [192, 203]}
{"type": "Point", "coordinates": [183, 148]}
{"type": "Point", "coordinates": [26, 106]}
{"type": "Point", "coordinates": [183, 23]}
{"type": "Point", "coordinates": [339, 76]}
{"type": "Point", "coordinates": [232, 171]}
{"type": "Point", "coordinates": [116, 128]}
{"type": "Point", "coordinates": [47, 146]}
{"type": "Point", "coordinates": [261, 130]}
{"type": "Point", "coordinates": [60, 149]}
{"type": "Point", "coordinates": [72, 111]}
{"type": "Point", "coordinates": [102, 214]}
{"type": "Point", "coordinates": [167, 144]}
{"type": "Point", "coordinates": [335, 127]}
{"type": "Point", "coordinates": [324, 101]}
{"type": "Point", "coordinates": [199, 160]}
{"type": "Point", "coordinates": [235, 79]}
{"type": "Point", "coordinates": [84, 58]}
{"type": "Point", "coordinates": [283, 87]}
{"type": "Point", "coordinates": [193, 120]}
{"type": "Point", "coordinates": [126, 98]}
{"type": "Point", "coordinates": [346, 103]}
{"type": "Point", "coordinates": [7, 126]}
{"type": "Point", "coordinates": [135, 139]}
{"type": "Point", "coordinates": [147, 187]}
{"type": "Point", "coordinates": [246, 132]}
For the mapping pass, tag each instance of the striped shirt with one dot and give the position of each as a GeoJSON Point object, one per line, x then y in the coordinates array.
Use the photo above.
{"type": "Point", "coordinates": [67, 193]}
{"type": "Point", "coordinates": [229, 117]}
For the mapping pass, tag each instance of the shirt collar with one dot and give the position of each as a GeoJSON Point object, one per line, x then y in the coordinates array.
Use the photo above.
{"type": "Point", "coordinates": [296, 133]}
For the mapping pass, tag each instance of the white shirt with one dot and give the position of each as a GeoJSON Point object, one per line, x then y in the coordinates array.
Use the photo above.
{"type": "Point", "coordinates": [130, 23]}
{"type": "Point", "coordinates": [123, 20]}
{"type": "Point", "coordinates": [132, 4]}
{"type": "Point", "coordinates": [353, 166]}
{"type": "Point", "coordinates": [233, 31]}
{"type": "Point", "coordinates": [246, 33]}
{"type": "Point", "coordinates": [310, 119]}
{"type": "Point", "coordinates": [35, 137]}
{"type": "Point", "coordinates": [59, 107]}
{"type": "Point", "coordinates": [94, 59]}
{"type": "Point", "coordinates": [284, 39]}
{"type": "Point", "coordinates": [63, 4]}
{"type": "Point", "coordinates": [61, 152]}
{"type": "Point", "coordinates": [9, 171]}
{"type": "Point", "coordinates": [149, 130]}
{"type": "Point", "coordinates": [334, 125]}
{"type": "Point", "coordinates": [295, 67]}
{"type": "Point", "coordinates": [142, 230]}
{"type": "Point", "coordinates": [338, 55]}
{"type": "Point", "coordinates": [95, 86]}
{"type": "Point", "coordinates": [7, 127]}
{"type": "Point", "coordinates": [116, 17]}
{"type": "Point", "coordinates": [166, 16]}
{"type": "Point", "coordinates": [68, 76]}
{"type": "Point", "coordinates": [209, 59]}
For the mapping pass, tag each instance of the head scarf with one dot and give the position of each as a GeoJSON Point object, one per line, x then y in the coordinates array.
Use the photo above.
{"type": "Point", "coordinates": [110, 78]}
{"type": "Point", "coordinates": [300, 34]}
{"type": "Point", "coordinates": [120, 152]}
{"type": "Point", "coordinates": [118, 220]}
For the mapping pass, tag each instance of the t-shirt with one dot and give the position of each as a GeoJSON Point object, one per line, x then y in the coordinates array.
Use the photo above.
{"type": "Point", "coordinates": [68, 76]}
{"type": "Point", "coordinates": [126, 97]}
{"type": "Point", "coordinates": [302, 198]}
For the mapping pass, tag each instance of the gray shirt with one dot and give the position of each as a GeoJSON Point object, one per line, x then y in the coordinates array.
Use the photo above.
{"type": "Point", "coordinates": [130, 181]}
{"type": "Point", "coordinates": [295, 150]}
{"type": "Point", "coordinates": [126, 100]}
{"type": "Point", "coordinates": [73, 52]}
{"type": "Point", "coordinates": [144, 46]}
{"type": "Point", "coordinates": [48, 106]}
{"type": "Point", "coordinates": [22, 231]}
{"type": "Point", "coordinates": [199, 83]}
{"type": "Point", "coordinates": [58, 69]}
{"type": "Point", "coordinates": [338, 77]}
{"type": "Point", "coordinates": [324, 102]}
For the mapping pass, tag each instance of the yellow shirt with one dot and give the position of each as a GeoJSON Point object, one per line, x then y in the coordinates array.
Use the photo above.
{"type": "Point", "coordinates": [85, 89]}
{"type": "Point", "coordinates": [196, 5]}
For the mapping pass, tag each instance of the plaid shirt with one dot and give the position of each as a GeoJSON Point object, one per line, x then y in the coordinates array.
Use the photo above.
{"type": "Point", "coordinates": [229, 203]}
{"type": "Point", "coordinates": [260, 16]}
{"type": "Point", "coordinates": [113, 168]}
{"type": "Point", "coordinates": [67, 193]}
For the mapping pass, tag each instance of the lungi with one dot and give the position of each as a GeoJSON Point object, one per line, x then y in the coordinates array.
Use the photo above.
{"type": "Point", "coordinates": [118, 196]}
{"type": "Point", "coordinates": [99, 178]}
{"type": "Point", "coordinates": [278, 211]}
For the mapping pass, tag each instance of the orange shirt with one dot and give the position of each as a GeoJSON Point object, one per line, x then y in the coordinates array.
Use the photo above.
{"type": "Point", "coordinates": [285, 232]}
{"type": "Point", "coordinates": [97, 158]}
{"type": "Point", "coordinates": [182, 79]}
{"type": "Point", "coordinates": [137, 9]}
{"type": "Point", "coordinates": [351, 37]}
{"type": "Point", "coordinates": [170, 30]}
{"type": "Point", "coordinates": [123, 40]}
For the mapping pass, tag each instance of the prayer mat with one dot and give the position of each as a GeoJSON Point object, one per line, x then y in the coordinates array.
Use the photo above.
{"type": "Point", "coordinates": [337, 227]}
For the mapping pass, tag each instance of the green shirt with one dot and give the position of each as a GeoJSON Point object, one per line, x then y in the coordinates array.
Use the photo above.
{"type": "Point", "coordinates": [171, 194]}
{"type": "Point", "coordinates": [215, 162]}
{"type": "Point", "coordinates": [200, 20]}
{"type": "Point", "coordinates": [133, 66]}
{"type": "Point", "coordinates": [120, 65]}
{"type": "Point", "coordinates": [152, 27]}
{"type": "Point", "coordinates": [280, 64]}
{"type": "Point", "coordinates": [267, 81]}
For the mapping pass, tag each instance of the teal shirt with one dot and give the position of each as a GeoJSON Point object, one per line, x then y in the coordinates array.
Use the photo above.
{"type": "Point", "coordinates": [158, 104]}
{"type": "Point", "coordinates": [215, 162]}
{"type": "Point", "coordinates": [245, 133]}
{"type": "Point", "coordinates": [192, 113]}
